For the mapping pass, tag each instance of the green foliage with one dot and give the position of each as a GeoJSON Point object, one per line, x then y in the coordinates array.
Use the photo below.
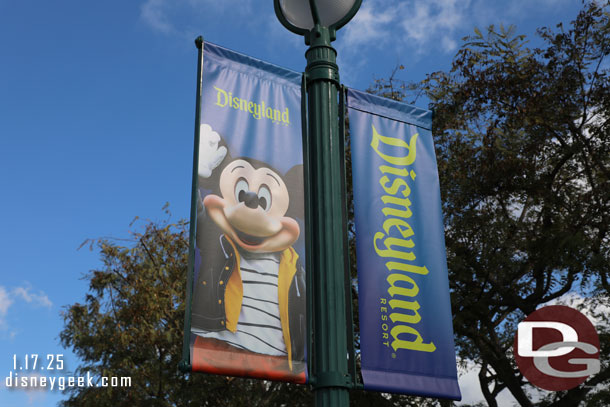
{"type": "Point", "coordinates": [131, 325]}
{"type": "Point", "coordinates": [523, 147]}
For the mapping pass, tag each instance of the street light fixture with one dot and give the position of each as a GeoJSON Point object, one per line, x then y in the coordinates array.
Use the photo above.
{"type": "Point", "coordinates": [318, 21]}
{"type": "Point", "coordinates": [300, 16]}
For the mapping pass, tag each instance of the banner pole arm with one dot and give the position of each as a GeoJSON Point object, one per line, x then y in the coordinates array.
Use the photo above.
{"type": "Point", "coordinates": [185, 364]}
{"type": "Point", "coordinates": [308, 230]}
{"type": "Point", "coordinates": [349, 314]}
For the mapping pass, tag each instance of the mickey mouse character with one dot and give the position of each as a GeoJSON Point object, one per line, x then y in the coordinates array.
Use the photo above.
{"type": "Point", "coordinates": [248, 309]}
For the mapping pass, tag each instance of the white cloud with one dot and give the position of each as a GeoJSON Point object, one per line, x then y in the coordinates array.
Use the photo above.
{"type": "Point", "coordinates": [468, 379]}
{"type": "Point", "coordinates": [376, 23]}
{"type": "Point", "coordinates": [392, 27]}
{"type": "Point", "coordinates": [154, 13]}
{"type": "Point", "coordinates": [432, 26]}
{"type": "Point", "coordinates": [5, 304]}
{"type": "Point", "coordinates": [37, 398]}
{"type": "Point", "coordinates": [423, 20]}
{"type": "Point", "coordinates": [40, 298]}
{"type": "Point", "coordinates": [176, 17]}
{"type": "Point", "coordinates": [449, 44]}
{"type": "Point", "coordinates": [595, 308]}
{"type": "Point", "coordinates": [35, 392]}
{"type": "Point", "coordinates": [415, 24]}
{"type": "Point", "coordinates": [5, 301]}
{"type": "Point", "coordinates": [370, 24]}
{"type": "Point", "coordinates": [8, 298]}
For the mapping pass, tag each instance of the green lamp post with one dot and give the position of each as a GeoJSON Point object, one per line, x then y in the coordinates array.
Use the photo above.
{"type": "Point", "coordinates": [318, 21]}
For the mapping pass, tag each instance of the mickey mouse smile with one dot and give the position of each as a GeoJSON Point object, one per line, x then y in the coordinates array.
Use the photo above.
{"type": "Point", "coordinates": [249, 239]}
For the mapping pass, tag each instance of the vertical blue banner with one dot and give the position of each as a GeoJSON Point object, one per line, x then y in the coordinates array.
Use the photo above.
{"type": "Point", "coordinates": [248, 315]}
{"type": "Point", "coordinates": [405, 312]}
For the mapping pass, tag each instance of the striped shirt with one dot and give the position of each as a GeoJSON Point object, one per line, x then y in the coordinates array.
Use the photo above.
{"type": "Point", "coordinates": [259, 328]}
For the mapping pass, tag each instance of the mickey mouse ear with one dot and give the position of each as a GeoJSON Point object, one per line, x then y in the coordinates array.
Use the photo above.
{"type": "Point", "coordinates": [295, 182]}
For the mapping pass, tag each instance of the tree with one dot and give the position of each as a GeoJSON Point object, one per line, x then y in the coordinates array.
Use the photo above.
{"type": "Point", "coordinates": [523, 147]}
{"type": "Point", "coordinates": [131, 325]}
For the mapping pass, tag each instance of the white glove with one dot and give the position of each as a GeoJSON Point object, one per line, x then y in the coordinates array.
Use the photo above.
{"type": "Point", "coordinates": [210, 155]}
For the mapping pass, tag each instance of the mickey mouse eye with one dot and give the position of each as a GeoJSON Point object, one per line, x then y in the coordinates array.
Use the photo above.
{"type": "Point", "coordinates": [264, 197]}
{"type": "Point", "coordinates": [241, 187]}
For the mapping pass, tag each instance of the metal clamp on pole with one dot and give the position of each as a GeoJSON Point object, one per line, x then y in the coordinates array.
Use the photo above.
{"type": "Point", "coordinates": [321, 57]}
{"type": "Point", "coordinates": [332, 379]}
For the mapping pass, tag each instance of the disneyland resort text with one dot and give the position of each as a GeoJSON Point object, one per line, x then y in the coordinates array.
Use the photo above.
{"type": "Point", "coordinates": [397, 247]}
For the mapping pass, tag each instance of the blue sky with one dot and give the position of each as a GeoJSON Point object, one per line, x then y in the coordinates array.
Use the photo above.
{"type": "Point", "coordinates": [97, 105]}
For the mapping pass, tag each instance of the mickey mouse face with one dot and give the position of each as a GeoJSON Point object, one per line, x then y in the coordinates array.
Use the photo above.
{"type": "Point", "coordinates": [260, 190]}
{"type": "Point", "coordinates": [252, 208]}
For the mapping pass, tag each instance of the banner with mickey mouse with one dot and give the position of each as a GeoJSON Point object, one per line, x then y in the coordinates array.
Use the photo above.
{"type": "Point", "coordinates": [248, 308]}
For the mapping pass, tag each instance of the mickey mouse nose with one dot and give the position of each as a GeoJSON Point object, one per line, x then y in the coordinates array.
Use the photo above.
{"type": "Point", "coordinates": [250, 199]}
